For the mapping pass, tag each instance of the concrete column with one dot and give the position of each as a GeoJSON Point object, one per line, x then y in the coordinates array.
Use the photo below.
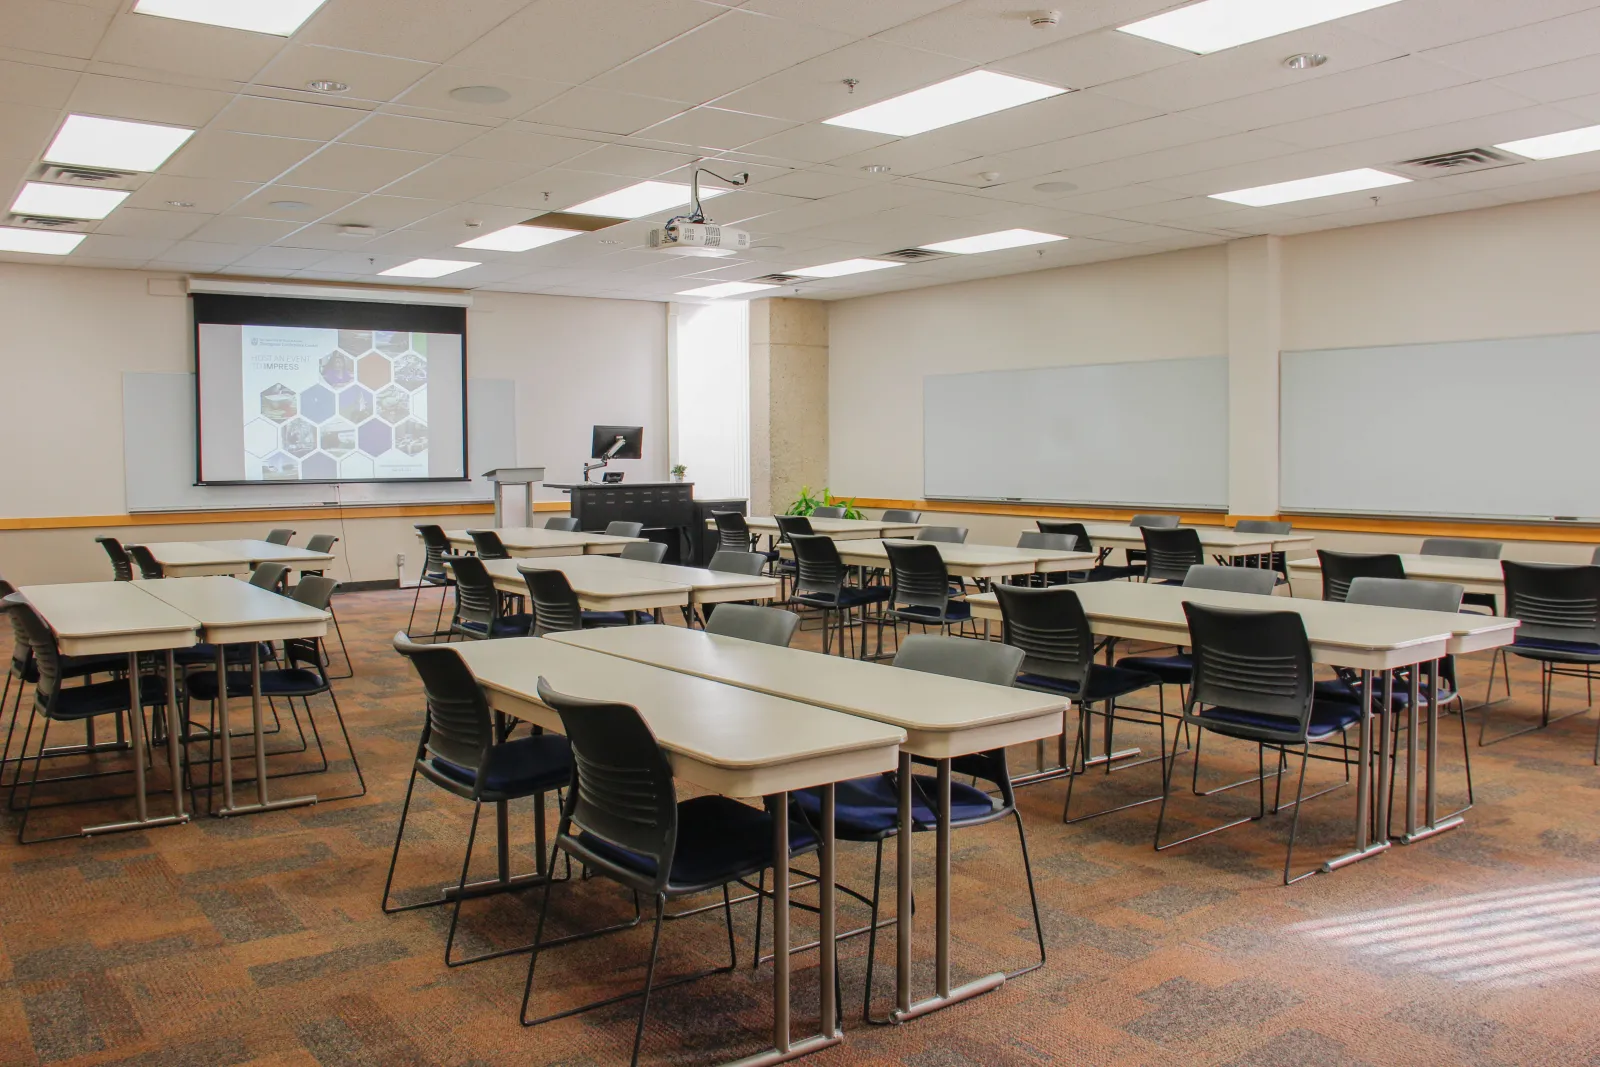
{"type": "Point", "coordinates": [1254, 340]}
{"type": "Point", "coordinates": [788, 400]}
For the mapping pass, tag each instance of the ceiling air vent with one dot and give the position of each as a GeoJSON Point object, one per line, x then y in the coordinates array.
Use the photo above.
{"type": "Point", "coordinates": [83, 175]}
{"type": "Point", "coordinates": [780, 279]}
{"type": "Point", "coordinates": [40, 222]}
{"type": "Point", "coordinates": [913, 255]}
{"type": "Point", "coordinates": [1460, 162]}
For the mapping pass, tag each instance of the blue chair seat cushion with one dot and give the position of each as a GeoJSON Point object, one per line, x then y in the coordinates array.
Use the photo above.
{"type": "Point", "coordinates": [719, 840]}
{"type": "Point", "coordinates": [238, 655]}
{"type": "Point", "coordinates": [101, 698]}
{"type": "Point", "coordinates": [1328, 717]}
{"type": "Point", "coordinates": [1544, 648]}
{"type": "Point", "coordinates": [1338, 690]}
{"type": "Point", "coordinates": [275, 682]}
{"type": "Point", "coordinates": [866, 809]}
{"type": "Point", "coordinates": [99, 663]}
{"type": "Point", "coordinates": [954, 611]}
{"type": "Point", "coordinates": [1104, 683]}
{"type": "Point", "coordinates": [505, 626]}
{"type": "Point", "coordinates": [849, 597]}
{"type": "Point", "coordinates": [1176, 669]}
{"type": "Point", "coordinates": [519, 768]}
{"type": "Point", "coordinates": [609, 618]}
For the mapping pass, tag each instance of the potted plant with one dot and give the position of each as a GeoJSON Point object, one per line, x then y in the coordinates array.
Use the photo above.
{"type": "Point", "coordinates": [678, 471]}
{"type": "Point", "coordinates": [805, 504]}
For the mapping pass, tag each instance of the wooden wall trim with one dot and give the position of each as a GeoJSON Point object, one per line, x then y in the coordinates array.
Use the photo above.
{"type": "Point", "coordinates": [1565, 533]}
{"type": "Point", "coordinates": [198, 518]}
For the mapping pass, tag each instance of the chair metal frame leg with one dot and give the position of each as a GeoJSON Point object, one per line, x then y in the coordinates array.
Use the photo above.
{"type": "Point", "coordinates": [1548, 672]}
{"type": "Point", "coordinates": [1082, 756]}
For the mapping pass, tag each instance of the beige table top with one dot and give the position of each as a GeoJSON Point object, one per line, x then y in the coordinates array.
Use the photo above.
{"type": "Point", "coordinates": [968, 561]}
{"type": "Point", "coordinates": [941, 716]}
{"type": "Point", "coordinates": [537, 541]}
{"type": "Point", "coordinates": [229, 610]}
{"type": "Point", "coordinates": [244, 551]}
{"type": "Point", "coordinates": [92, 617]}
{"type": "Point", "coordinates": [838, 529]}
{"type": "Point", "coordinates": [1477, 575]}
{"type": "Point", "coordinates": [706, 586]}
{"type": "Point", "coordinates": [600, 587]}
{"type": "Point", "coordinates": [1212, 538]}
{"type": "Point", "coordinates": [719, 737]}
{"type": "Point", "coordinates": [1341, 635]}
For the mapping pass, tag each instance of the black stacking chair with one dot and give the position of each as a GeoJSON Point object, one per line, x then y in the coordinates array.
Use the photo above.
{"type": "Point", "coordinates": [1339, 569]}
{"type": "Point", "coordinates": [919, 590]}
{"type": "Point", "coordinates": [645, 551]}
{"type": "Point", "coordinates": [149, 566]}
{"type": "Point", "coordinates": [464, 751]}
{"type": "Point", "coordinates": [619, 528]}
{"type": "Point", "coordinates": [1136, 556]}
{"type": "Point", "coordinates": [1054, 542]}
{"type": "Point", "coordinates": [56, 704]}
{"type": "Point", "coordinates": [1170, 552]}
{"type": "Point", "coordinates": [901, 515]}
{"type": "Point", "coordinates": [733, 531]}
{"type": "Point", "coordinates": [1050, 627]}
{"type": "Point", "coordinates": [730, 561]}
{"type": "Point", "coordinates": [273, 576]}
{"type": "Point", "coordinates": [868, 809]}
{"type": "Point", "coordinates": [788, 526]}
{"type": "Point", "coordinates": [1102, 571]}
{"type": "Point", "coordinates": [623, 821]}
{"type": "Point", "coordinates": [279, 536]}
{"type": "Point", "coordinates": [1467, 548]}
{"type": "Point", "coordinates": [749, 622]}
{"type": "Point", "coordinates": [819, 584]}
{"type": "Point", "coordinates": [829, 512]}
{"type": "Point", "coordinates": [952, 535]}
{"type": "Point", "coordinates": [435, 547]}
{"type": "Point", "coordinates": [1178, 668]}
{"type": "Point", "coordinates": [1275, 561]}
{"type": "Point", "coordinates": [487, 544]}
{"type": "Point", "coordinates": [479, 605]}
{"type": "Point", "coordinates": [121, 564]}
{"type": "Point", "coordinates": [1559, 608]}
{"type": "Point", "coordinates": [563, 523]}
{"type": "Point", "coordinates": [325, 543]}
{"type": "Point", "coordinates": [556, 607]}
{"type": "Point", "coordinates": [1253, 681]}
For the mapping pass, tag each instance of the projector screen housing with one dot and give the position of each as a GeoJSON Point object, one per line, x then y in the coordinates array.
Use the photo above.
{"type": "Point", "coordinates": [326, 391]}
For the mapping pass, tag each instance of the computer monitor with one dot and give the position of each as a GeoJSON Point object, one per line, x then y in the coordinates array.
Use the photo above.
{"type": "Point", "coordinates": [605, 442]}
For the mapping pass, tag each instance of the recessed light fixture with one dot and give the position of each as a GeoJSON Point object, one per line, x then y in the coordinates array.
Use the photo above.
{"type": "Point", "coordinates": [1212, 25]}
{"type": "Point", "coordinates": [1054, 187]}
{"type": "Point", "coordinates": [289, 205]}
{"type": "Point", "coordinates": [645, 198]}
{"type": "Point", "coordinates": [480, 94]}
{"type": "Point", "coordinates": [519, 238]}
{"type": "Point", "coordinates": [66, 201]}
{"type": "Point", "coordinates": [843, 267]}
{"type": "Point", "coordinates": [180, 203]}
{"type": "Point", "coordinates": [727, 289]}
{"type": "Point", "coordinates": [993, 242]}
{"type": "Point", "coordinates": [40, 242]}
{"type": "Point", "coordinates": [278, 17]}
{"type": "Point", "coordinates": [1305, 60]}
{"type": "Point", "coordinates": [428, 268]}
{"type": "Point", "coordinates": [87, 141]}
{"type": "Point", "coordinates": [978, 92]}
{"type": "Point", "coordinates": [1556, 145]}
{"type": "Point", "coordinates": [322, 85]}
{"type": "Point", "coordinates": [1346, 181]}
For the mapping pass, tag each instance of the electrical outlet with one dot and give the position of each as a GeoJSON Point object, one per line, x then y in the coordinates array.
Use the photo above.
{"type": "Point", "coordinates": [400, 559]}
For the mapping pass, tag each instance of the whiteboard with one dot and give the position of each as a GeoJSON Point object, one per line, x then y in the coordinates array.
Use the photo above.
{"type": "Point", "coordinates": [159, 459]}
{"type": "Point", "coordinates": [1153, 432]}
{"type": "Point", "coordinates": [1504, 429]}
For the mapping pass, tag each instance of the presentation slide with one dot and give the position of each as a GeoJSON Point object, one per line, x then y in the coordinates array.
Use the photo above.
{"type": "Point", "coordinates": [309, 403]}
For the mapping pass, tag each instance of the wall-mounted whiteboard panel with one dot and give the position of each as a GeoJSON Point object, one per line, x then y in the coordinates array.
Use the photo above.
{"type": "Point", "coordinates": [158, 453]}
{"type": "Point", "coordinates": [1152, 432]}
{"type": "Point", "coordinates": [1468, 429]}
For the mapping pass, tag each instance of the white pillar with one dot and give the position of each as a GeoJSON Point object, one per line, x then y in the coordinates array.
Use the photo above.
{"type": "Point", "coordinates": [1254, 339]}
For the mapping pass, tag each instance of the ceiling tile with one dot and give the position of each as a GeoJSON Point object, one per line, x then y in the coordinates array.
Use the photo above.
{"type": "Point", "coordinates": [35, 85]}
{"type": "Point", "coordinates": [319, 202]}
{"type": "Point", "coordinates": [208, 195]}
{"type": "Point", "coordinates": [455, 178]}
{"type": "Point", "coordinates": [453, 220]}
{"type": "Point", "coordinates": [205, 253]}
{"type": "Point", "coordinates": [369, 77]}
{"type": "Point", "coordinates": [1525, 48]}
{"type": "Point", "coordinates": [564, 188]}
{"type": "Point", "coordinates": [413, 29]}
{"type": "Point", "coordinates": [239, 157]}
{"type": "Point", "coordinates": [588, 108]}
{"type": "Point", "coordinates": [815, 143]}
{"type": "Point", "coordinates": [112, 246]}
{"type": "Point", "coordinates": [355, 168]}
{"type": "Point", "coordinates": [231, 229]}
{"type": "Point", "coordinates": [146, 101]}
{"type": "Point", "coordinates": [629, 162]}
{"type": "Point", "coordinates": [433, 91]}
{"type": "Point", "coordinates": [1419, 24]}
{"type": "Point", "coordinates": [1041, 122]}
{"type": "Point", "coordinates": [1558, 81]}
{"type": "Point", "coordinates": [144, 222]}
{"type": "Point", "coordinates": [716, 128]}
{"type": "Point", "coordinates": [189, 48]}
{"type": "Point", "coordinates": [849, 16]}
{"type": "Point", "coordinates": [389, 212]}
{"type": "Point", "coordinates": [1395, 116]}
{"type": "Point", "coordinates": [280, 258]}
{"type": "Point", "coordinates": [1091, 59]}
{"type": "Point", "coordinates": [512, 143]}
{"type": "Point", "coordinates": [813, 184]}
{"type": "Point", "coordinates": [61, 29]}
{"type": "Point", "coordinates": [412, 134]}
{"type": "Point", "coordinates": [1341, 91]}
{"type": "Point", "coordinates": [288, 118]}
{"type": "Point", "coordinates": [816, 89]}
{"type": "Point", "coordinates": [25, 132]}
{"type": "Point", "coordinates": [576, 40]}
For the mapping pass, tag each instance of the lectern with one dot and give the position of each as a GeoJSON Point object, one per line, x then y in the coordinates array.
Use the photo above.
{"type": "Point", "coordinates": [523, 476]}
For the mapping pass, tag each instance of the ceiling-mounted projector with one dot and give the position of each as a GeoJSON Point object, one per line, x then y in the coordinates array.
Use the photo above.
{"type": "Point", "coordinates": [699, 239]}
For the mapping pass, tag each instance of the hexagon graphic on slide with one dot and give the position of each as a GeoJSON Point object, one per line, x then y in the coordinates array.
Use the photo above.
{"type": "Point", "coordinates": [317, 403]}
{"type": "Point", "coordinates": [278, 402]}
{"type": "Point", "coordinates": [411, 371]}
{"type": "Point", "coordinates": [319, 465]}
{"type": "Point", "coordinates": [338, 368]}
{"type": "Point", "coordinates": [355, 341]}
{"type": "Point", "coordinates": [375, 437]}
{"type": "Point", "coordinates": [394, 403]}
{"type": "Point", "coordinates": [372, 371]}
{"type": "Point", "coordinates": [411, 437]}
{"type": "Point", "coordinates": [299, 438]}
{"type": "Point", "coordinates": [260, 437]}
{"type": "Point", "coordinates": [279, 467]}
{"type": "Point", "coordinates": [356, 465]}
{"type": "Point", "coordinates": [391, 344]}
{"type": "Point", "coordinates": [355, 403]}
{"type": "Point", "coordinates": [338, 437]}
{"type": "Point", "coordinates": [419, 404]}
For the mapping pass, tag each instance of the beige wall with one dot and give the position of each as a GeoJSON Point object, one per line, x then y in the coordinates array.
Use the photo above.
{"type": "Point", "coordinates": [789, 401]}
{"type": "Point", "coordinates": [72, 332]}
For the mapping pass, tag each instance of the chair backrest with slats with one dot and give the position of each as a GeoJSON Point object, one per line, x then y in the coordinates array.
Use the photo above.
{"type": "Point", "coordinates": [460, 727]}
{"type": "Point", "coordinates": [978, 661]}
{"type": "Point", "coordinates": [819, 573]}
{"type": "Point", "coordinates": [149, 566]}
{"type": "Point", "coordinates": [321, 543]}
{"type": "Point", "coordinates": [789, 525]}
{"type": "Point", "coordinates": [901, 515]}
{"type": "Point", "coordinates": [622, 528]}
{"type": "Point", "coordinates": [1339, 569]}
{"type": "Point", "coordinates": [487, 544]}
{"type": "Point", "coordinates": [280, 536]}
{"type": "Point", "coordinates": [1257, 662]}
{"type": "Point", "coordinates": [622, 790]}
{"type": "Point", "coordinates": [1233, 579]}
{"type": "Point", "coordinates": [314, 591]}
{"type": "Point", "coordinates": [1266, 526]}
{"type": "Point", "coordinates": [1053, 542]}
{"type": "Point", "coordinates": [1170, 552]}
{"type": "Point", "coordinates": [477, 600]}
{"type": "Point", "coordinates": [121, 564]}
{"type": "Point", "coordinates": [645, 551]}
{"type": "Point", "coordinates": [1159, 522]}
{"type": "Point", "coordinates": [1051, 629]}
{"type": "Point", "coordinates": [749, 622]}
{"type": "Point", "coordinates": [1554, 602]}
{"type": "Point", "coordinates": [41, 642]}
{"type": "Point", "coordinates": [1406, 593]}
{"type": "Point", "coordinates": [555, 605]}
{"type": "Point", "coordinates": [733, 532]}
{"type": "Point", "coordinates": [953, 535]}
{"type": "Point", "coordinates": [21, 651]}
{"type": "Point", "coordinates": [1073, 529]}
{"type": "Point", "coordinates": [274, 576]}
{"type": "Point", "coordinates": [918, 578]}
{"type": "Point", "coordinates": [1461, 547]}
{"type": "Point", "coordinates": [737, 561]}
{"type": "Point", "coordinates": [563, 523]}
{"type": "Point", "coordinates": [435, 546]}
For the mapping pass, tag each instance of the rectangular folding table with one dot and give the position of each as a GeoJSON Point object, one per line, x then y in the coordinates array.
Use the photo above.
{"type": "Point", "coordinates": [536, 541]}
{"type": "Point", "coordinates": [187, 559]}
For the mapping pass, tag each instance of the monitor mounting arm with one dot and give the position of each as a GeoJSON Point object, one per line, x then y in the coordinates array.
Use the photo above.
{"type": "Point", "coordinates": [616, 446]}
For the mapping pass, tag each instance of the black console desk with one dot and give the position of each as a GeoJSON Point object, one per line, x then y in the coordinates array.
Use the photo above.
{"type": "Point", "coordinates": [662, 507]}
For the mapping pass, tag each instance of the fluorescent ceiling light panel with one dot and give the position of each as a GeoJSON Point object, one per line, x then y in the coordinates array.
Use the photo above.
{"type": "Point", "coordinates": [1556, 145]}
{"type": "Point", "coordinates": [66, 201]}
{"type": "Point", "coordinates": [978, 92]}
{"type": "Point", "coordinates": [727, 289]}
{"type": "Point", "coordinates": [843, 267]}
{"type": "Point", "coordinates": [519, 238]}
{"type": "Point", "coordinates": [636, 201]}
{"type": "Point", "coordinates": [993, 242]}
{"type": "Point", "coordinates": [1346, 181]}
{"type": "Point", "coordinates": [43, 242]}
{"type": "Point", "coordinates": [1212, 25]}
{"type": "Point", "coordinates": [428, 268]}
{"type": "Point", "coordinates": [86, 141]}
{"type": "Point", "coordinates": [280, 17]}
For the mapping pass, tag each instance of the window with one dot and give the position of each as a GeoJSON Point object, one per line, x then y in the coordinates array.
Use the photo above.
{"type": "Point", "coordinates": [710, 396]}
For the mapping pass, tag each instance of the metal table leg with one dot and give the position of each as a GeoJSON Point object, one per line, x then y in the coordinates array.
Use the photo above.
{"type": "Point", "coordinates": [258, 723]}
{"type": "Point", "coordinates": [1365, 846]}
{"type": "Point", "coordinates": [141, 803]}
{"type": "Point", "coordinates": [1434, 824]}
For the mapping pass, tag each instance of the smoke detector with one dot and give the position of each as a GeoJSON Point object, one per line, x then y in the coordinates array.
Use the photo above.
{"type": "Point", "coordinates": [1043, 20]}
